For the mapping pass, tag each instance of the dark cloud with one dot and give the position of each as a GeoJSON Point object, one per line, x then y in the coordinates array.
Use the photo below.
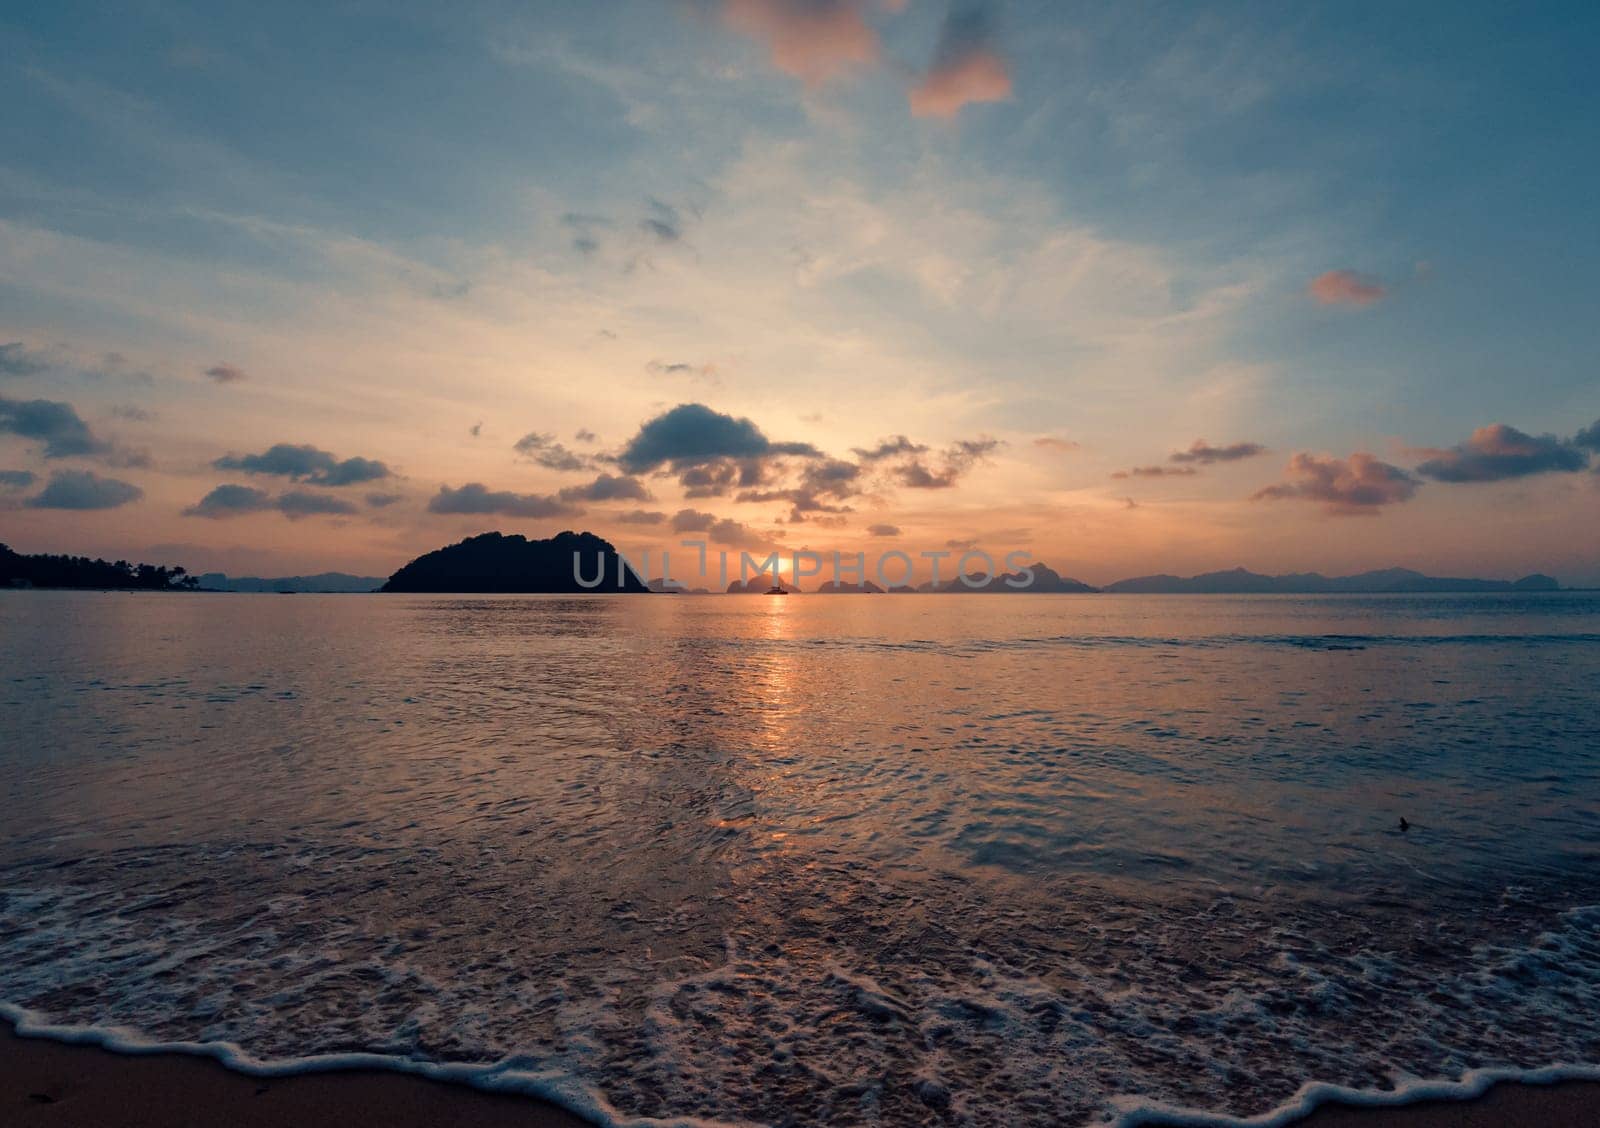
{"type": "Point", "coordinates": [305, 463]}
{"type": "Point", "coordinates": [83, 489]}
{"type": "Point", "coordinates": [966, 67]}
{"type": "Point", "coordinates": [1157, 472]}
{"type": "Point", "coordinates": [1498, 452]}
{"type": "Point", "coordinates": [663, 222]}
{"type": "Point", "coordinates": [719, 530]}
{"type": "Point", "coordinates": [225, 373]}
{"type": "Point", "coordinates": [640, 517]}
{"type": "Point", "coordinates": [584, 435]}
{"type": "Point", "coordinates": [891, 447]}
{"type": "Point", "coordinates": [1360, 484]}
{"type": "Point", "coordinates": [304, 503]}
{"type": "Point", "coordinates": [382, 500]}
{"type": "Point", "coordinates": [883, 530]}
{"type": "Point", "coordinates": [476, 429]}
{"type": "Point", "coordinates": [230, 501]}
{"type": "Point", "coordinates": [1589, 437]}
{"type": "Point", "coordinates": [16, 359]}
{"type": "Point", "coordinates": [1204, 453]}
{"type": "Point", "coordinates": [17, 479]}
{"type": "Point", "coordinates": [822, 485]}
{"type": "Point", "coordinates": [546, 452]}
{"type": "Point", "coordinates": [585, 230]}
{"type": "Point", "coordinates": [475, 497]}
{"type": "Point", "coordinates": [692, 434]}
{"type": "Point", "coordinates": [958, 458]}
{"type": "Point", "coordinates": [56, 426]}
{"type": "Point", "coordinates": [608, 487]}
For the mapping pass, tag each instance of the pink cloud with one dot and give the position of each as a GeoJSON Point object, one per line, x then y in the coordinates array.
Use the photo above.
{"type": "Point", "coordinates": [966, 69]}
{"type": "Point", "coordinates": [979, 76]}
{"type": "Point", "coordinates": [1345, 287]}
{"type": "Point", "coordinates": [1360, 484]}
{"type": "Point", "coordinates": [816, 41]}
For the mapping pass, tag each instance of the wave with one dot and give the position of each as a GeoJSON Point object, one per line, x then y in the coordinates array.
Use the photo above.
{"type": "Point", "coordinates": [519, 1076]}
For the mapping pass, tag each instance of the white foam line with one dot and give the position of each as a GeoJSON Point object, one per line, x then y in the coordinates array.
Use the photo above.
{"type": "Point", "coordinates": [1474, 1083]}
{"type": "Point", "coordinates": [514, 1075]}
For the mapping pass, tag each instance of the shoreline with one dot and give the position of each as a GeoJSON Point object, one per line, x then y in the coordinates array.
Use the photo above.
{"type": "Point", "coordinates": [75, 1077]}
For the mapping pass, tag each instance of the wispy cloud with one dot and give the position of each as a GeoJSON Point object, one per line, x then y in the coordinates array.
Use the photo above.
{"type": "Point", "coordinates": [1345, 287]}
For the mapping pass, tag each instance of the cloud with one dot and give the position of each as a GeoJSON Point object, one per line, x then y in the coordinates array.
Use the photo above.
{"type": "Point", "coordinates": [83, 489]}
{"type": "Point", "coordinates": [608, 488]}
{"type": "Point", "coordinates": [1345, 287]}
{"type": "Point", "coordinates": [17, 479]}
{"type": "Point", "coordinates": [16, 359]}
{"type": "Point", "coordinates": [966, 69]}
{"type": "Point", "coordinates": [702, 372]}
{"type": "Point", "coordinates": [958, 458]}
{"type": "Point", "coordinates": [544, 450]}
{"type": "Point", "coordinates": [131, 412]}
{"type": "Point", "coordinates": [1204, 453]}
{"type": "Point", "coordinates": [663, 222]}
{"type": "Point", "coordinates": [307, 463]}
{"type": "Point", "coordinates": [586, 228]}
{"type": "Point", "coordinates": [1157, 472]}
{"type": "Point", "coordinates": [891, 447]}
{"type": "Point", "coordinates": [815, 41]}
{"type": "Point", "coordinates": [640, 517]}
{"type": "Point", "coordinates": [1497, 452]}
{"type": "Point", "coordinates": [883, 530]}
{"type": "Point", "coordinates": [303, 503]}
{"type": "Point", "coordinates": [234, 501]}
{"type": "Point", "coordinates": [57, 426]}
{"type": "Point", "coordinates": [584, 435]}
{"type": "Point", "coordinates": [230, 501]}
{"type": "Point", "coordinates": [692, 434]}
{"type": "Point", "coordinates": [1589, 437]}
{"type": "Point", "coordinates": [382, 500]}
{"type": "Point", "coordinates": [1060, 446]}
{"type": "Point", "coordinates": [224, 373]}
{"type": "Point", "coordinates": [475, 497]}
{"type": "Point", "coordinates": [476, 429]}
{"type": "Point", "coordinates": [721, 530]}
{"type": "Point", "coordinates": [1360, 484]}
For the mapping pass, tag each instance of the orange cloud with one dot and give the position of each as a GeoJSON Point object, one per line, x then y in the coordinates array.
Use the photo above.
{"type": "Point", "coordinates": [816, 41]}
{"type": "Point", "coordinates": [1345, 287]}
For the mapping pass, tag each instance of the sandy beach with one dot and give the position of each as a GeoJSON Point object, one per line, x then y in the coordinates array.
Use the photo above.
{"type": "Point", "coordinates": [50, 1083]}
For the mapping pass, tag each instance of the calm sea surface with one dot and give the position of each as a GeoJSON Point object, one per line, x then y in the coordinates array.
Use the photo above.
{"type": "Point", "coordinates": [879, 860]}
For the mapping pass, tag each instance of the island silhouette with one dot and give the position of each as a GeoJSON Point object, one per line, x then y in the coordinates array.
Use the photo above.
{"type": "Point", "coordinates": [495, 562]}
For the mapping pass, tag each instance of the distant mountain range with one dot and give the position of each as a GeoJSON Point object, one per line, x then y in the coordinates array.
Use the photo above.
{"type": "Point", "coordinates": [1388, 581]}
{"type": "Point", "coordinates": [338, 582]}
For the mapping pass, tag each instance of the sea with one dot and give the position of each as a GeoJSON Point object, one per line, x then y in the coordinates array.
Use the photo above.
{"type": "Point", "coordinates": [876, 860]}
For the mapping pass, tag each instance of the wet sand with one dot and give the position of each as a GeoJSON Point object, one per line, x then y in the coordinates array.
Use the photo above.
{"type": "Point", "coordinates": [51, 1083]}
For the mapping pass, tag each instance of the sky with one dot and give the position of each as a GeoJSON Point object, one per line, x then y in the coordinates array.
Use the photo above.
{"type": "Point", "coordinates": [1127, 287]}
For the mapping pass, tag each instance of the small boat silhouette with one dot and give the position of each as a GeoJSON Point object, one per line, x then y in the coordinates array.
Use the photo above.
{"type": "Point", "coordinates": [776, 589]}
